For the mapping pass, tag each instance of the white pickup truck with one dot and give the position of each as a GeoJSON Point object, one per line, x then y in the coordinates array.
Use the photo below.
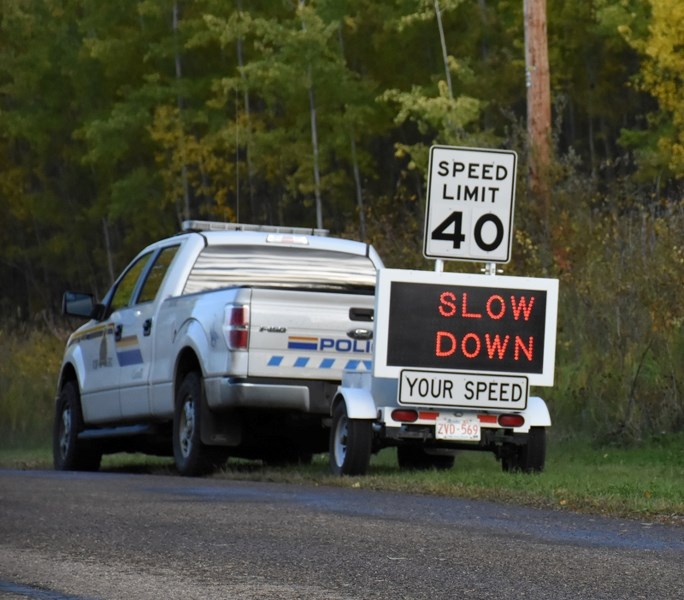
{"type": "Point", "coordinates": [225, 339]}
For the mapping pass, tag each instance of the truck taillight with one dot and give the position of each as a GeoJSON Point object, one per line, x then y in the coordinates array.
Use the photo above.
{"type": "Point", "coordinates": [236, 326]}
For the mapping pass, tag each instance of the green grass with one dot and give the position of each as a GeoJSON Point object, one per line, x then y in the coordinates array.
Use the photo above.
{"type": "Point", "coordinates": [645, 482]}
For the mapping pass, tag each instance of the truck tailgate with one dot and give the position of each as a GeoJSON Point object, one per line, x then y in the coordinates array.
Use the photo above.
{"type": "Point", "coordinates": [309, 335]}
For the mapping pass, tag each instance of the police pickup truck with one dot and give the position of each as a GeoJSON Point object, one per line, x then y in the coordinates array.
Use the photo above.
{"type": "Point", "coordinates": [226, 339]}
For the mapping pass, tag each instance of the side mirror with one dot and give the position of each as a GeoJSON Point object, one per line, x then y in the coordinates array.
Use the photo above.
{"type": "Point", "coordinates": [79, 304]}
{"type": "Point", "coordinates": [99, 312]}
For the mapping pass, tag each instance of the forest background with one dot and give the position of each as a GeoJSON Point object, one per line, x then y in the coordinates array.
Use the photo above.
{"type": "Point", "coordinates": [118, 120]}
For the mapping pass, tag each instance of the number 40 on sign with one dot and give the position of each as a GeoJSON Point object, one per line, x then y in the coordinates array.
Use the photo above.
{"type": "Point", "coordinates": [469, 212]}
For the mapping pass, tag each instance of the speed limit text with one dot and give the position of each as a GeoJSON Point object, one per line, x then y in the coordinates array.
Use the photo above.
{"type": "Point", "coordinates": [477, 174]}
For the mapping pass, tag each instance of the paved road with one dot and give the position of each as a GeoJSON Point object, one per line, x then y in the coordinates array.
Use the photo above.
{"type": "Point", "coordinates": [118, 536]}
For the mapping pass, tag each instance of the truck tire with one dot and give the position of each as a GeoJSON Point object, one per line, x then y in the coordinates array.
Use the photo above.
{"type": "Point", "coordinates": [192, 457]}
{"type": "Point", "coordinates": [415, 458]}
{"type": "Point", "coordinates": [350, 443]}
{"type": "Point", "coordinates": [528, 458]}
{"type": "Point", "coordinates": [68, 452]}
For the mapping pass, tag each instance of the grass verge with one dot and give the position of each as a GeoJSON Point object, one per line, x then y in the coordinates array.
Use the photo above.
{"type": "Point", "coordinates": [645, 482]}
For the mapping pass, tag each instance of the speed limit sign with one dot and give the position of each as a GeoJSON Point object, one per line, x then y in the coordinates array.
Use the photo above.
{"type": "Point", "coordinates": [469, 212]}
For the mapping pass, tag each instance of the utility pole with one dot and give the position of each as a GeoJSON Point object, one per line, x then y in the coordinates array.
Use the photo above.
{"type": "Point", "coordinates": [538, 102]}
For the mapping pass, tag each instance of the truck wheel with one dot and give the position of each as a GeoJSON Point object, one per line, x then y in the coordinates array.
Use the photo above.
{"type": "Point", "coordinates": [350, 443]}
{"type": "Point", "coordinates": [530, 457]}
{"type": "Point", "coordinates": [68, 452]}
{"type": "Point", "coordinates": [192, 457]}
{"type": "Point", "coordinates": [415, 458]}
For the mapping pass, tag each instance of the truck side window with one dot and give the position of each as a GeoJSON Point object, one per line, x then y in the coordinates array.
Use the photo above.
{"type": "Point", "coordinates": [156, 275]}
{"type": "Point", "coordinates": [126, 286]}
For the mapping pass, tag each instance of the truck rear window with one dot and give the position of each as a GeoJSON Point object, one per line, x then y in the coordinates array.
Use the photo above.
{"type": "Point", "coordinates": [287, 267]}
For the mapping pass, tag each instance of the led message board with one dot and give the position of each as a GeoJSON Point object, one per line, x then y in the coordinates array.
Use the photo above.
{"type": "Point", "coordinates": [466, 323]}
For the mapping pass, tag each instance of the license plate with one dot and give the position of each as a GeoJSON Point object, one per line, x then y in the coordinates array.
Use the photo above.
{"type": "Point", "coordinates": [457, 428]}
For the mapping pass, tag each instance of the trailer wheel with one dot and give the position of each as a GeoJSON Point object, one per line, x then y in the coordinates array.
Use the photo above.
{"type": "Point", "coordinates": [350, 443]}
{"type": "Point", "coordinates": [192, 457]}
{"type": "Point", "coordinates": [68, 452]}
{"type": "Point", "coordinates": [528, 458]}
{"type": "Point", "coordinates": [415, 458]}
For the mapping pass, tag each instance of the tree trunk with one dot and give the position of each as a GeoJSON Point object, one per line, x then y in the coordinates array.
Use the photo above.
{"type": "Point", "coordinates": [248, 154]}
{"type": "Point", "coordinates": [445, 55]}
{"type": "Point", "coordinates": [179, 73]}
{"type": "Point", "coordinates": [108, 249]}
{"type": "Point", "coordinates": [314, 142]}
{"type": "Point", "coordinates": [359, 189]}
{"type": "Point", "coordinates": [316, 168]}
{"type": "Point", "coordinates": [538, 102]}
{"type": "Point", "coordinates": [355, 163]}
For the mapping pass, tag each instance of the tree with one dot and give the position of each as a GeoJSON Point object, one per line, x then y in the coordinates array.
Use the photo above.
{"type": "Point", "coordinates": [296, 71]}
{"type": "Point", "coordinates": [661, 150]}
{"type": "Point", "coordinates": [44, 86]}
{"type": "Point", "coordinates": [118, 120]}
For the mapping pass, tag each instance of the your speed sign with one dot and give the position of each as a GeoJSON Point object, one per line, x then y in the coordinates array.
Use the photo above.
{"type": "Point", "coordinates": [469, 213]}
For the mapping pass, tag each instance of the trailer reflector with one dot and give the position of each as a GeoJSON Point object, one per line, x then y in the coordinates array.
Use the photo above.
{"type": "Point", "coordinates": [404, 415]}
{"type": "Point", "coordinates": [428, 415]}
{"type": "Point", "coordinates": [511, 420]}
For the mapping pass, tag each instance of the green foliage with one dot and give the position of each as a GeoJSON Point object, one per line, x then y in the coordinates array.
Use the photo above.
{"type": "Point", "coordinates": [662, 76]}
{"type": "Point", "coordinates": [621, 327]}
{"type": "Point", "coordinates": [593, 98]}
{"type": "Point", "coordinates": [119, 120]}
{"type": "Point", "coordinates": [29, 365]}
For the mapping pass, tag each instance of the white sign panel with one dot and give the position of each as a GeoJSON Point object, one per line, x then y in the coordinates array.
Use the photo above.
{"type": "Point", "coordinates": [470, 199]}
{"type": "Point", "coordinates": [463, 390]}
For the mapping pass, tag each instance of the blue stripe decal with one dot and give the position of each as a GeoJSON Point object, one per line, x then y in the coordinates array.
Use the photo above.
{"type": "Point", "coordinates": [353, 365]}
{"type": "Point", "coordinates": [302, 346]}
{"type": "Point", "coordinates": [129, 357]}
{"type": "Point", "coordinates": [301, 362]}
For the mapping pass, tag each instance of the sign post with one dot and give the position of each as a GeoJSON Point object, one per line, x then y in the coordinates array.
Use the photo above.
{"type": "Point", "coordinates": [470, 200]}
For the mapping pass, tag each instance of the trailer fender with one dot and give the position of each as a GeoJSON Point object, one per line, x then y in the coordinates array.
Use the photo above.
{"type": "Point", "coordinates": [537, 413]}
{"type": "Point", "coordinates": [358, 402]}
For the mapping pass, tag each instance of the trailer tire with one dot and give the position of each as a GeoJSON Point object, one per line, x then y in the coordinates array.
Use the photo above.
{"type": "Point", "coordinates": [528, 458]}
{"type": "Point", "coordinates": [350, 443]}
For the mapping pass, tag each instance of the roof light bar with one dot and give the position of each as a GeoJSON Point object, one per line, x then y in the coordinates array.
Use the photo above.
{"type": "Point", "coordinates": [221, 226]}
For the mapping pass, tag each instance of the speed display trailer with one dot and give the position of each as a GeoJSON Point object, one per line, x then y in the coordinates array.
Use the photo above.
{"type": "Point", "coordinates": [454, 354]}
